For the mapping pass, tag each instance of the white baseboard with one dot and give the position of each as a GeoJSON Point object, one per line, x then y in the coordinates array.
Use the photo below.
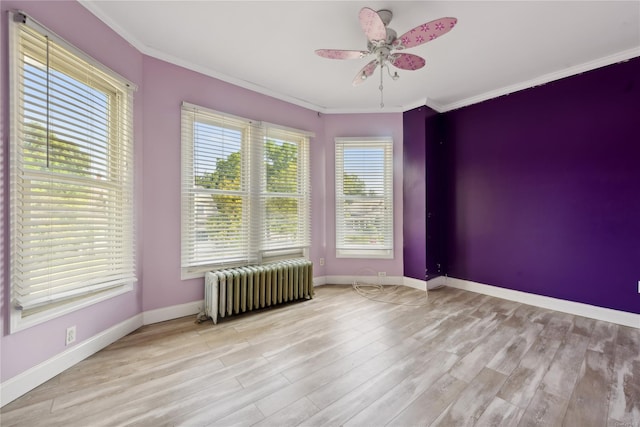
{"type": "Point", "coordinates": [389, 280]}
{"type": "Point", "coordinates": [570, 307]}
{"type": "Point", "coordinates": [349, 280]}
{"type": "Point", "coordinates": [594, 312]}
{"type": "Point", "coordinates": [414, 283]}
{"type": "Point", "coordinates": [39, 374]}
{"type": "Point", "coordinates": [436, 282]}
{"type": "Point", "coordinates": [319, 281]}
{"type": "Point", "coordinates": [174, 312]}
{"type": "Point", "coordinates": [33, 377]}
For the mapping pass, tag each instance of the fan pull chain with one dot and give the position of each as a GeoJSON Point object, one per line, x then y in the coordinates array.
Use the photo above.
{"type": "Point", "coordinates": [380, 87]}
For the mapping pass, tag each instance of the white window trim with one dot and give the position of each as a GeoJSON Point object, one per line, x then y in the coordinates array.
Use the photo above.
{"type": "Point", "coordinates": [303, 196]}
{"type": "Point", "coordinates": [364, 252]}
{"type": "Point", "coordinates": [62, 307]}
{"type": "Point", "coordinates": [259, 254]}
{"type": "Point", "coordinates": [189, 269]}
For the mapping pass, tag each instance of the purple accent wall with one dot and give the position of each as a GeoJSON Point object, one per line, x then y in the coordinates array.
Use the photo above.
{"type": "Point", "coordinates": [415, 192]}
{"type": "Point", "coordinates": [545, 189]}
{"type": "Point", "coordinates": [415, 201]}
{"type": "Point", "coordinates": [545, 184]}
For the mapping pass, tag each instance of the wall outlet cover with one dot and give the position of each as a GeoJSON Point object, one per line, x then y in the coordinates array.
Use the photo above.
{"type": "Point", "coordinates": [71, 335]}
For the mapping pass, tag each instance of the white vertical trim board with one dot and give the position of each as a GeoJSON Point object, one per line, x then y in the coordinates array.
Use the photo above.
{"type": "Point", "coordinates": [576, 308]}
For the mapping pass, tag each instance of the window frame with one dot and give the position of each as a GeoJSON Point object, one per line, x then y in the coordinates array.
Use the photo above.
{"type": "Point", "coordinates": [25, 313]}
{"type": "Point", "coordinates": [190, 266]}
{"type": "Point", "coordinates": [362, 251]}
{"type": "Point", "coordinates": [302, 195]}
{"type": "Point", "coordinates": [255, 178]}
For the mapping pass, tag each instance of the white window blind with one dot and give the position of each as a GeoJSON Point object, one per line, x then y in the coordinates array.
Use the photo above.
{"type": "Point", "coordinates": [72, 232]}
{"type": "Point", "coordinates": [285, 192]}
{"type": "Point", "coordinates": [245, 191]}
{"type": "Point", "coordinates": [216, 193]}
{"type": "Point", "coordinates": [364, 197]}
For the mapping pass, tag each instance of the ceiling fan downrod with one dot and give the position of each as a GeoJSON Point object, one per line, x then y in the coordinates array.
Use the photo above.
{"type": "Point", "coordinates": [380, 87]}
{"type": "Point", "coordinates": [387, 47]}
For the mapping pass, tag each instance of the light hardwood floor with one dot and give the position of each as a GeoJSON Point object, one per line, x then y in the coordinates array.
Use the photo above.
{"type": "Point", "coordinates": [458, 359]}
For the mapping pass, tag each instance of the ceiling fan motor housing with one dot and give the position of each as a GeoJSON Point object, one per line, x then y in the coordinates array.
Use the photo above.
{"type": "Point", "coordinates": [382, 41]}
{"type": "Point", "coordinates": [385, 15]}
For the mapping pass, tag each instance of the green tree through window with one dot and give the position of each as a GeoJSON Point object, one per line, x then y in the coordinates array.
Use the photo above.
{"type": "Point", "coordinates": [281, 169]}
{"type": "Point", "coordinates": [226, 221]}
{"type": "Point", "coordinates": [71, 177]}
{"type": "Point", "coordinates": [246, 193]}
{"type": "Point", "coordinates": [56, 154]}
{"type": "Point", "coordinates": [353, 185]}
{"type": "Point", "coordinates": [281, 164]}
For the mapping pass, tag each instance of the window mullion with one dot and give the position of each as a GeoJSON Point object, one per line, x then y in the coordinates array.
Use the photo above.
{"type": "Point", "coordinates": [207, 137]}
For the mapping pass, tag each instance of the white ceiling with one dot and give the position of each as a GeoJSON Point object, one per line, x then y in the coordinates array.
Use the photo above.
{"type": "Point", "coordinates": [268, 46]}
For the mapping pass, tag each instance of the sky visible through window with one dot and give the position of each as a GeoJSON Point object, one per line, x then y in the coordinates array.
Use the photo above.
{"type": "Point", "coordinates": [213, 143]}
{"type": "Point", "coordinates": [368, 165]}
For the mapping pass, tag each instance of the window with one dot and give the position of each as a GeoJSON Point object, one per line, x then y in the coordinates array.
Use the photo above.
{"type": "Point", "coordinates": [364, 198]}
{"type": "Point", "coordinates": [245, 191]}
{"type": "Point", "coordinates": [72, 238]}
{"type": "Point", "coordinates": [285, 190]}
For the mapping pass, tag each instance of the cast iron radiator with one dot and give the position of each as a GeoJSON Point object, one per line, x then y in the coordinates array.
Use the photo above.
{"type": "Point", "coordinates": [241, 289]}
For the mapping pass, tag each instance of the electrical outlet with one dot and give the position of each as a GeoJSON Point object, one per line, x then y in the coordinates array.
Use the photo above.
{"type": "Point", "coordinates": [71, 335]}
{"type": "Point", "coordinates": [321, 261]}
{"type": "Point", "coordinates": [382, 274]}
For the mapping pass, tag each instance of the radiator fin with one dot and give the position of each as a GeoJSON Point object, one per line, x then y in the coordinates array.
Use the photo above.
{"type": "Point", "coordinates": [237, 290]}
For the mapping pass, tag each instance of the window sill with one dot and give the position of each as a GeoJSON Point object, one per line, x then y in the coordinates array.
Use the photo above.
{"type": "Point", "coordinates": [19, 323]}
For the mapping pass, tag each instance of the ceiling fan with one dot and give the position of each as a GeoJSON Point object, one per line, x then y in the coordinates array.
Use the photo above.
{"type": "Point", "coordinates": [384, 44]}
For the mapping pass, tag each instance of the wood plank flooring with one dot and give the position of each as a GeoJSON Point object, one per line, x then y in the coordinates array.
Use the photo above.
{"type": "Point", "coordinates": [454, 359]}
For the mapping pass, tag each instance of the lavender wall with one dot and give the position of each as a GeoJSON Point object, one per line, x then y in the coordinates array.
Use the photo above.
{"type": "Point", "coordinates": [27, 348]}
{"type": "Point", "coordinates": [162, 88]}
{"type": "Point", "coordinates": [161, 170]}
{"type": "Point", "coordinates": [545, 189]}
{"type": "Point", "coordinates": [356, 125]}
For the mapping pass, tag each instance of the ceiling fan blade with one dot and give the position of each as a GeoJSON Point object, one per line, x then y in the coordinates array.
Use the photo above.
{"type": "Point", "coordinates": [365, 72]}
{"type": "Point", "coordinates": [372, 24]}
{"type": "Point", "coordinates": [424, 33]}
{"type": "Point", "coordinates": [341, 54]}
{"type": "Point", "coordinates": [407, 61]}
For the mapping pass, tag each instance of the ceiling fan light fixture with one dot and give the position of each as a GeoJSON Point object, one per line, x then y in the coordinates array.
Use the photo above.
{"type": "Point", "coordinates": [395, 76]}
{"type": "Point", "coordinates": [383, 41]}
